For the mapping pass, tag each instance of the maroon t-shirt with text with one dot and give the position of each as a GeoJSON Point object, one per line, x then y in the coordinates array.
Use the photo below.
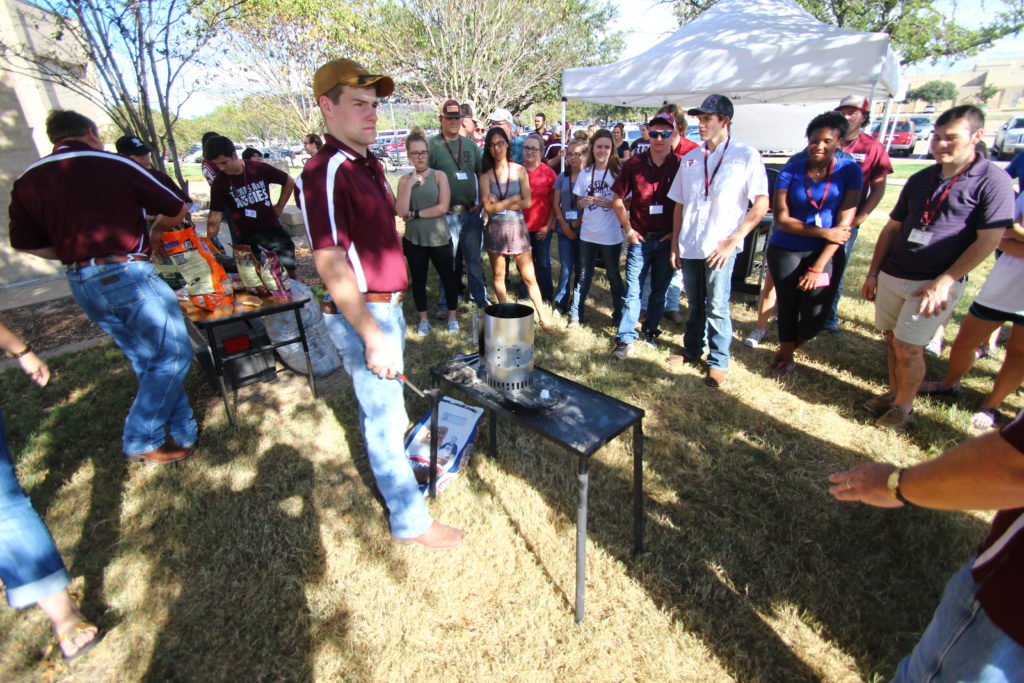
{"type": "Point", "coordinates": [86, 203]}
{"type": "Point", "coordinates": [247, 196]}
{"type": "Point", "coordinates": [873, 159]}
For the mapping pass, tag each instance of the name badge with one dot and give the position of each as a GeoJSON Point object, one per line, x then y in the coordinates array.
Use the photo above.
{"type": "Point", "coordinates": [571, 215]}
{"type": "Point", "coordinates": [817, 220]}
{"type": "Point", "coordinates": [656, 209]}
{"type": "Point", "coordinates": [250, 213]}
{"type": "Point", "coordinates": [918, 236]}
{"type": "Point", "coordinates": [461, 175]}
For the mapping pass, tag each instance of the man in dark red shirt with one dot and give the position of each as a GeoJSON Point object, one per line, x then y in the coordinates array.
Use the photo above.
{"type": "Point", "coordinates": [977, 633]}
{"type": "Point", "coordinates": [647, 177]}
{"type": "Point", "coordinates": [243, 189]}
{"type": "Point", "coordinates": [349, 212]}
{"type": "Point", "coordinates": [96, 227]}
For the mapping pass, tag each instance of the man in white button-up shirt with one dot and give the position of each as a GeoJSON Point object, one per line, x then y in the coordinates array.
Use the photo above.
{"type": "Point", "coordinates": [721, 194]}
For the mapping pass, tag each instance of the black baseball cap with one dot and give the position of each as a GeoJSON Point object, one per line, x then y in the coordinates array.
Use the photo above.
{"type": "Point", "coordinates": [714, 104]}
{"type": "Point", "coordinates": [131, 146]}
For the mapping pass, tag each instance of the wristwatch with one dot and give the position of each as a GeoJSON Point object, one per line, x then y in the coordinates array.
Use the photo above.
{"type": "Point", "coordinates": [893, 484]}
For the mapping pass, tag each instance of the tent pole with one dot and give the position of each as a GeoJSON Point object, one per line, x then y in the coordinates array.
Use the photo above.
{"type": "Point", "coordinates": [885, 123]}
{"type": "Point", "coordinates": [565, 136]}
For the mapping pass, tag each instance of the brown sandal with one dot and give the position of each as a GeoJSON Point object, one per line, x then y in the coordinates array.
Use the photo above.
{"type": "Point", "coordinates": [71, 632]}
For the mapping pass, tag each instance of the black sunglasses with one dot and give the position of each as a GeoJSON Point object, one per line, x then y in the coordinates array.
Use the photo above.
{"type": "Point", "coordinates": [663, 134]}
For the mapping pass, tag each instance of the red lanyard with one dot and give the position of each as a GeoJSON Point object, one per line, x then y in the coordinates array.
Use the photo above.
{"type": "Point", "coordinates": [593, 175]}
{"type": "Point", "coordinates": [508, 181]}
{"type": "Point", "coordinates": [709, 181]}
{"type": "Point", "coordinates": [458, 162]}
{"type": "Point", "coordinates": [932, 205]}
{"type": "Point", "coordinates": [828, 186]}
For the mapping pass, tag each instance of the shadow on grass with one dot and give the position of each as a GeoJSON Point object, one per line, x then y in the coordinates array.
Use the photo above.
{"type": "Point", "coordinates": [760, 535]}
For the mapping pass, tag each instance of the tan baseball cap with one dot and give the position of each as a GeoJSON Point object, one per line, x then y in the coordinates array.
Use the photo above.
{"type": "Point", "coordinates": [353, 74]}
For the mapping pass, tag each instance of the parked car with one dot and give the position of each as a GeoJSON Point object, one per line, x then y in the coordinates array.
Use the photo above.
{"type": "Point", "coordinates": [900, 137]}
{"type": "Point", "coordinates": [278, 154]}
{"type": "Point", "coordinates": [923, 125]}
{"type": "Point", "coordinates": [194, 155]}
{"type": "Point", "coordinates": [929, 109]}
{"type": "Point", "coordinates": [1009, 139]}
{"type": "Point", "coordinates": [693, 133]}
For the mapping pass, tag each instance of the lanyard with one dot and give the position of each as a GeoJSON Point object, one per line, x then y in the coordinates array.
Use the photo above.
{"type": "Point", "coordinates": [508, 181]}
{"type": "Point", "coordinates": [709, 181]}
{"type": "Point", "coordinates": [828, 185]}
{"type": "Point", "coordinates": [593, 176]}
{"type": "Point", "coordinates": [932, 205]}
{"type": "Point", "coordinates": [458, 161]}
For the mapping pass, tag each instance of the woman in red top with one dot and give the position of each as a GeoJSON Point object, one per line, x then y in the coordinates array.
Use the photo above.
{"type": "Point", "coordinates": [540, 216]}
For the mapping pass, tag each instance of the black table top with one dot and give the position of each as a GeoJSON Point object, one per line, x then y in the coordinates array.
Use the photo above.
{"type": "Point", "coordinates": [577, 417]}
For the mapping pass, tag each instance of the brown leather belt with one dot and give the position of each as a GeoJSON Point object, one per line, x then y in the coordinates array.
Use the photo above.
{"type": "Point", "coordinates": [383, 297]}
{"type": "Point", "coordinates": [105, 261]}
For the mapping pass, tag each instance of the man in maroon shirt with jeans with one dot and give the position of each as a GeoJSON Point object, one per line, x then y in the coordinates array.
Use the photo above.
{"type": "Point", "coordinates": [95, 225]}
{"type": "Point", "coordinates": [977, 633]}
{"type": "Point", "coordinates": [349, 213]}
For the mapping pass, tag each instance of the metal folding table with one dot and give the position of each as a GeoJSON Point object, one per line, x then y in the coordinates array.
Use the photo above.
{"type": "Point", "coordinates": [582, 421]}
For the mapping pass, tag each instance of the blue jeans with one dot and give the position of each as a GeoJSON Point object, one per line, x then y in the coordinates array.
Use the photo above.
{"type": "Point", "coordinates": [384, 422]}
{"type": "Point", "coordinates": [30, 565]}
{"type": "Point", "coordinates": [646, 257]}
{"type": "Point", "coordinates": [672, 294]}
{"type": "Point", "coordinates": [541, 252]}
{"type": "Point", "coordinates": [832, 321]}
{"type": "Point", "coordinates": [961, 643]}
{"type": "Point", "coordinates": [568, 271]}
{"type": "Point", "coordinates": [610, 254]}
{"type": "Point", "coordinates": [707, 293]}
{"type": "Point", "coordinates": [467, 231]}
{"type": "Point", "coordinates": [130, 302]}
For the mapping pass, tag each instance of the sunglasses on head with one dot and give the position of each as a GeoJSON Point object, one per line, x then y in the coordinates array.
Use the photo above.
{"type": "Point", "coordinates": [663, 134]}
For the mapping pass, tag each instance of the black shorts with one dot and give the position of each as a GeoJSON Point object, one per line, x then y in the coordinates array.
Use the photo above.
{"type": "Point", "coordinates": [993, 315]}
{"type": "Point", "coordinates": [277, 241]}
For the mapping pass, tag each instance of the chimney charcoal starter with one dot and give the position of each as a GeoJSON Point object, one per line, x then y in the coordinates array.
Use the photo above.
{"type": "Point", "coordinates": [508, 346]}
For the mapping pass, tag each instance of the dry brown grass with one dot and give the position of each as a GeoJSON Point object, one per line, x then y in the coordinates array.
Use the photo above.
{"type": "Point", "coordinates": [268, 556]}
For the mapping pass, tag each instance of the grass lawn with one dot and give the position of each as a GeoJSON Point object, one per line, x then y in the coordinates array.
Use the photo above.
{"type": "Point", "coordinates": [267, 554]}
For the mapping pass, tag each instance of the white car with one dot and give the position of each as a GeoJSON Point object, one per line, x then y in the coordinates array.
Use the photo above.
{"type": "Point", "coordinates": [1009, 139]}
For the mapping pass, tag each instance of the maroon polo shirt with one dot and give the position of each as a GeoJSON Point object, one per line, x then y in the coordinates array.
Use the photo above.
{"type": "Point", "coordinates": [649, 185]}
{"type": "Point", "coordinates": [86, 204]}
{"type": "Point", "coordinates": [169, 183]}
{"type": "Point", "coordinates": [346, 203]}
{"type": "Point", "coordinates": [247, 196]}
{"type": "Point", "coordinates": [1002, 578]}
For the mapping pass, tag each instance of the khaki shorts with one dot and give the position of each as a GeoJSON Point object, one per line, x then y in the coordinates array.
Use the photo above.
{"type": "Point", "coordinates": [896, 310]}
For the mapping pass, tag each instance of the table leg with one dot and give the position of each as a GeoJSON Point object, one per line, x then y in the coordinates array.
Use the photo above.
{"type": "Point", "coordinates": [218, 369]}
{"type": "Point", "coordinates": [492, 418]}
{"type": "Point", "coordinates": [583, 483]}
{"type": "Point", "coordinates": [305, 350]}
{"type": "Point", "coordinates": [435, 407]}
{"type": "Point", "coordinates": [638, 487]}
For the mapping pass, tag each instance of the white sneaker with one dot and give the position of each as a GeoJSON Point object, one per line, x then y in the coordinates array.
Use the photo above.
{"type": "Point", "coordinates": [933, 348]}
{"type": "Point", "coordinates": [453, 325]}
{"type": "Point", "coordinates": [423, 329]}
{"type": "Point", "coordinates": [754, 338]}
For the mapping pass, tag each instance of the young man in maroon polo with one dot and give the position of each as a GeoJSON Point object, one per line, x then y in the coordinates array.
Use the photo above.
{"type": "Point", "coordinates": [875, 164]}
{"type": "Point", "coordinates": [647, 178]}
{"type": "Point", "coordinates": [243, 189]}
{"type": "Point", "coordinates": [95, 226]}
{"type": "Point", "coordinates": [349, 213]}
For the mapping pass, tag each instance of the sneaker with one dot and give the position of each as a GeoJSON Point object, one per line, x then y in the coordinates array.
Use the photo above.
{"type": "Point", "coordinates": [622, 350]}
{"type": "Point", "coordinates": [933, 348]}
{"type": "Point", "coordinates": [754, 338]}
{"type": "Point", "coordinates": [650, 340]}
{"type": "Point", "coordinates": [879, 404]}
{"type": "Point", "coordinates": [895, 417]}
{"type": "Point", "coordinates": [453, 325]}
{"type": "Point", "coordinates": [574, 323]}
{"type": "Point", "coordinates": [423, 329]}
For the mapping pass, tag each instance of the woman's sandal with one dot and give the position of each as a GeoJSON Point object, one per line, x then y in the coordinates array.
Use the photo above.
{"type": "Point", "coordinates": [71, 632]}
{"type": "Point", "coordinates": [985, 418]}
{"type": "Point", "coordinates": [936, 389]}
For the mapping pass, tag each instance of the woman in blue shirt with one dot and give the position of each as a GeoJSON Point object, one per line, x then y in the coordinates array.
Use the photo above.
{"type": "Point", "coordinates": [814, 204]}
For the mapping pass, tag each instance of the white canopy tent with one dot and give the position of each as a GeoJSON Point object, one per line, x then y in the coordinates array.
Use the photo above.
{"type": "Point", "coordinates": [752, 51]}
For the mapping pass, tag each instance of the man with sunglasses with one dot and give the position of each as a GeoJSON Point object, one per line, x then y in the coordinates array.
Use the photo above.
{"type": "Point", "coordinates": [459, 158]}
{"type": "Point", "coordinates": [647, 178]}
{"type": "Point", "coordinates": [713, 188]}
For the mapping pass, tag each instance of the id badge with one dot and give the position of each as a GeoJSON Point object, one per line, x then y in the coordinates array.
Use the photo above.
{"type": "Point", "coordinates": [918, 236]}
{"type": "Point", "coordinates": [461, 175]}
{"type": "Point", "coordinates": [571, 215]}
{"type": "Point", "coordinates": [656, 209]}
{"type": "Point", "coordinates": [817, 220]}
{"type": "Point", "coordinates": [250, 213]}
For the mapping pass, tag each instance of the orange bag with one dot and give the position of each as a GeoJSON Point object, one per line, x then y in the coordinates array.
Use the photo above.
{"type": "Point", "coordinates": [206, 282]}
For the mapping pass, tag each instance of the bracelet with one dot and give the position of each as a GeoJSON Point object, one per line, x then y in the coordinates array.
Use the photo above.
{"type": "Point", "coordinates": [812, 270]}
{"type": "Point", "coordinates": [416, 214]}
{"type": "Point", "coordinates": [899, 494]}
{"type": "Point", "coordinates": [27, 350]}
{"type": "Point", "coordinates": [871, 275]}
